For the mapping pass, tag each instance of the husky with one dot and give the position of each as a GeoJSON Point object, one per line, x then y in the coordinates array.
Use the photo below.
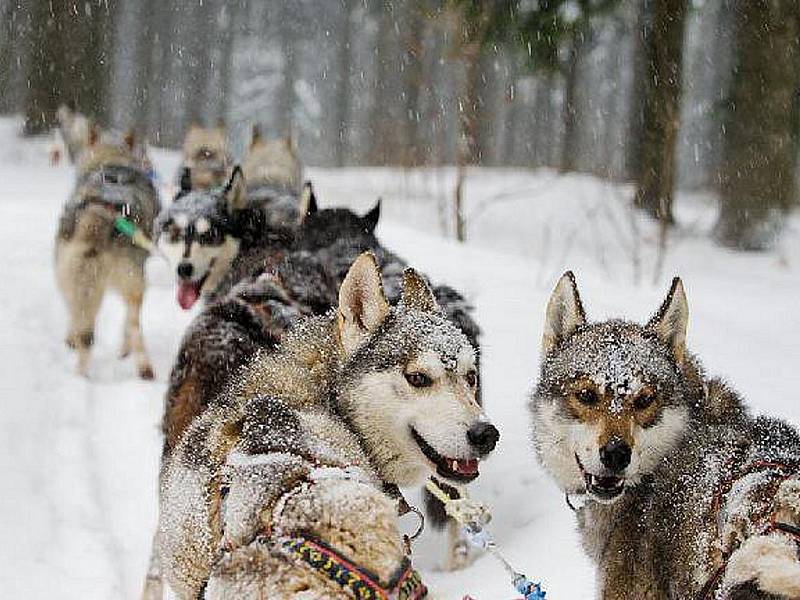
{"type": "Point", "coordinates": [206, 156]}
{"type": "Point", "coordinates": [91, 255]}
{"type": "Point", "coordinates": [289, 466]}
{"type": "Point", "coordinates": [274, 163]}
{"type": "Point", "coordinates": [684, 493]}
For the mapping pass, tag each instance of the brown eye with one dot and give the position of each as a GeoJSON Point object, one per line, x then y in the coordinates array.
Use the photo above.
{"type": "Point", "coordinates": [588, 397]}
{"type": "Point", "coordinates": [644, 400]}
{"type": "Point", "coordinates": [472, 378]}
{"type": "Point", "coordinates": [418, 380]}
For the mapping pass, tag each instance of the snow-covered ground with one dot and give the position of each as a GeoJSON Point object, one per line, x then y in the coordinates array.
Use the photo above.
{"type": "Point", "coordinates": [78, 458]}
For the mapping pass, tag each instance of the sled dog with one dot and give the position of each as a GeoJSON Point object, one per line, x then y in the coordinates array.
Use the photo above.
{"type": "Point", "coordinates": [276, 489]}
{"type": "Point", "coordinates": [92, 256]}
{"type": "Point", "coordinates": [206, 155]}
{"type": "Point", "coordinates": [685, 495]}
{"type": "Point", "coordinates": [273, 163]}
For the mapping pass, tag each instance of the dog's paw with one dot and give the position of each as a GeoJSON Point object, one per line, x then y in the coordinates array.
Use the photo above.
{"type": "Point", "coordinates": [146, 372]}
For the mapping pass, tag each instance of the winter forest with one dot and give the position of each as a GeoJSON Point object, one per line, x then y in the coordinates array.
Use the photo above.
{"type": "Point", "coordinates": [448, 299]}
{"type": "Point", "coordinates": [693, 94]}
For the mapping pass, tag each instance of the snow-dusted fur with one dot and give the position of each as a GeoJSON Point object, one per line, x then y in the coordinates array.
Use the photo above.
{"type": "Point", "coordinates": [206, 155]}
{"type": "Point", "coordinates": [672, 472]}
{"type": "Point", "coordinates": [91, 256]}
{"type": "Point", "coordinates": [358, 390]}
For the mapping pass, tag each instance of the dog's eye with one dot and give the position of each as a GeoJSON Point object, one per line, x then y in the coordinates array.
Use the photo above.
{"type": "Point", "coordinates": [587, 396]}
{"type": "Point", "coordinates": [418, 380]}
{"type": "Point", "coordinates": [472, 378]}
{"type": "Point", "coordinates": [644, 400]}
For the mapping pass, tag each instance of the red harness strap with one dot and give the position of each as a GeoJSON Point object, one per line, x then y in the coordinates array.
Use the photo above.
{"type": "Point", "coordinates": [782, 472]}
{"type": "Point", "coordinates": [406, 584]}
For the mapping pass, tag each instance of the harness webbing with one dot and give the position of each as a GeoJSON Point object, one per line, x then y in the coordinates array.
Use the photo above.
{"type": "Point", "coordinates": [405, 584]}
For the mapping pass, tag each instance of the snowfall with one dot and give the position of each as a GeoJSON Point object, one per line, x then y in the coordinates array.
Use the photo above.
{"type": "Point", "coordinates": [79, 457]}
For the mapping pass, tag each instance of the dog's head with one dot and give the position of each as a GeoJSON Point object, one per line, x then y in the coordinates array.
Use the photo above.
{"type": "Point", "coordinates": [272, 161]}
{"type": "Point", "coordinates": [408, 381]}
{"type": "Point", "coordinates": [205, 152]}
{"type": "Point", "coordinates": [614, 397]}
{"type": "Point", "coordinates": [322, 228]}
{"type": "Point", "coordinates": [195, 234]}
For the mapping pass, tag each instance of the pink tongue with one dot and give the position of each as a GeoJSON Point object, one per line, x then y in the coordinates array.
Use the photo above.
{"type": "Point", "coordinates": [468, 467]}
{"type": "Point", "coordinates": [188, 293]}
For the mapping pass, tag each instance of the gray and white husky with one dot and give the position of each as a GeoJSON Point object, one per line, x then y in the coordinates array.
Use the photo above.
{"type": "Point", "coordinates": [300, 447]}
{"type": "Point", "coordinates": [681, 494]}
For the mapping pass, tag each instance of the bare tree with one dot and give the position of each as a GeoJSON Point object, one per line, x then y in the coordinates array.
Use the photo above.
{"type": "Point", "coordinates": [661, 109]}
{"type": "Point", "coordinates": [758, 172]}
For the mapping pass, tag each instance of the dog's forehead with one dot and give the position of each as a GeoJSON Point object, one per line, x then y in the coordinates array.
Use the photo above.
{"type": "Point", "coordinates": [614, 355]}
{"type": "Point", "coordinates": [192, 207]}
{"type": "Point", "coordinates": [434, 335]}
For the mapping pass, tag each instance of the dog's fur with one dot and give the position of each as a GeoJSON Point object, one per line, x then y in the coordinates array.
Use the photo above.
{"type": "Point", "coordinates": [71, 135]}
{"type": "Point", "coordinates": [273, 162]}
{"type": "Point", "coordinates": [691, 491]}
{"type": "Point", "coordinates": [362, 387]}
{"type": "Point", "coordinates": [91, 256]}
{"type": "Point", "coordinates": [206, 155]}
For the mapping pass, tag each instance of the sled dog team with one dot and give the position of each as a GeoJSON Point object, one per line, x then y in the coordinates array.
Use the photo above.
{"type": "Point", "coordinates": [322, 374]}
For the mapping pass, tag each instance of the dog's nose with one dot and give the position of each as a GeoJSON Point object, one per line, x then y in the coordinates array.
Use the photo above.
{"type": "Point", "coordinates": [483, 436]}
{"type": "Point", "coordinates": [615, 455]}
{"type": "Point", "coordinates": [185, 269]}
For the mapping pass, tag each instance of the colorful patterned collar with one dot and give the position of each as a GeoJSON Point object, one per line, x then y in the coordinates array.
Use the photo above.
{"type": "Point", "coordinates": [405, 584]}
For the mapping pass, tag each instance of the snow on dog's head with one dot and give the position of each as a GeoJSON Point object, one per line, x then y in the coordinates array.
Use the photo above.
{"type": "Point", "coordinates": [194, 234]}
{"type": "Point", "coordinates": [614, 398]}
{"type": "Point", "coordinates": [408, 381]}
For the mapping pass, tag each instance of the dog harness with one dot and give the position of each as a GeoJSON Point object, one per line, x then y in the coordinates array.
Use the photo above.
{"type": "Point", "coordinates": [780, 472]}
{"type": "Point", "coordinates": [405, 584]}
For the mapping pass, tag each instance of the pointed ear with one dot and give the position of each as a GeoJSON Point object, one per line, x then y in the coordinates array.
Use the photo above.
{"type": "Point", "coordinates": [186, 181]}
{"type": "Point", "coordinates": [235, 192]}
{"type": "Point", "coordinates": [417, 294]}
{"type": "Point", "coordinates": [370, 220]}
{"type": "Point", "coordinates": [564, 312]}
{"type": "Point", "coordinates": [94, 135]}
{"type": "Point", "coordinates": [672, 319]}
{"type": "Point", "coordinates": [362, 303]}
{"type": "Point", "coordinates": [129, 138]}
{"type": "Point", "coordinates": [308, 202]}
{"type": "Point", "coordinates": [255, 135]}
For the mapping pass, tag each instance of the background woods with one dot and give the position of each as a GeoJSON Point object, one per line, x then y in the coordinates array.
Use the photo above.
{"type": "Point", "coordinates": [700, 94]}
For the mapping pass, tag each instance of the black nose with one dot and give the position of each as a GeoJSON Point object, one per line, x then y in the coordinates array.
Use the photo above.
{"type": "Point", "coordinates": [615, 455]}
{"type": "Point", "coordinates": [185, 269]}
{"type": "Point", "coordinates": [483, 436]}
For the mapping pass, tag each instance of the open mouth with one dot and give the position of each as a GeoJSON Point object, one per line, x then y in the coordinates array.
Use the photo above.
{"type": "Point", "coordinates": [603, 487]}
{"type": "Point", "coordinates": [455, 469]}
{"type": "Point", "coordinates": [189, 291]}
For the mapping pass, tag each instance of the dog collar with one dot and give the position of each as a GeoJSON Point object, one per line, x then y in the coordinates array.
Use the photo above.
{"type": "Point", "coordinates": [405, 584]}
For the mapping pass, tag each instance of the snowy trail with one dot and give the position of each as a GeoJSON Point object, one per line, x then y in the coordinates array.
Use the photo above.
{"type": "Point", "coordinates": [79, 458]}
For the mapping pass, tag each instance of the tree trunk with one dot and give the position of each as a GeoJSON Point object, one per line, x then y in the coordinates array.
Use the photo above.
{"type": "Point", "coordinates": [759, 159]}
{"type": "Point", "coordinates": [379, 120]}
{"type": "Point", "coordinates": [342, 110]}
{"type": "Point", "coordinates": [412, 83]}
{"type": "Point", "coordinates": [227, 65]}
{"type": "Point", "coordinates": [641, 73]}
{"type": "Point", "coordinates": [663, 86]}
{"type": "Point", "coordinates": [196, 98]}
{"type": "Point", "coordinates": [286, 98]}
{"type": "Point", "coordinates": [569, 149]}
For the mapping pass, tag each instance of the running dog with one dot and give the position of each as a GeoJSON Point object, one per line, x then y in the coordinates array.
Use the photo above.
{"type": "Point", "coordinates": [275, 490]}
{"type": "Point", "coordinates": [92, 255]}
{"type": "Point", "coordinates": [683, 493]}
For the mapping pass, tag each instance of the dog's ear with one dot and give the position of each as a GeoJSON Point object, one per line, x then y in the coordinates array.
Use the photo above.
{"type": "Point", "coordinates": [308, 202]}
{"type": "Point", "coordinates": [186, 181]}
{"type": "Point", "coordinates": [564, 312]}
{"type": "Point", "coordinates": [235, 190]}
{"type": "Point", "coordinates": [129, 138]}
{"type": "Point", "coordinates": [370, 220]}
{"type": "Point", "coordinates": [362, 303]}
{"type": "Point", "coordinates": [417, 294]}
{"type": "Point", "coordinates": [94, 135]}
{"type": "Point", "coordinates": [255, 135]}
{"type": "Point", "coordinates": [672, 320]}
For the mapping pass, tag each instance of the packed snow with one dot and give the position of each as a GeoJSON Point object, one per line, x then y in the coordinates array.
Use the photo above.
{"type": "Point", "coordinates": [79, 457]}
